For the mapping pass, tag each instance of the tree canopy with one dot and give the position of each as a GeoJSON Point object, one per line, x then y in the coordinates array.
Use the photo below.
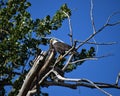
{"type": "Point", "coordinates": [20, 40]}
{"type": "Point", "coordinates": [17, 42]}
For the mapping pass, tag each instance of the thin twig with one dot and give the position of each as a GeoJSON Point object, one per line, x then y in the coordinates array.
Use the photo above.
{"type": "Point", "coordinates": [71, 56]}
{"type": "Point", "coordinates": [95, 43]}
{"type": "Point", "coordinates": [93, 23]}
{"type": "Point", "coordinates": [92, 18]}
{"type": "Point", "coordinates": [70, 27]}
{"type": "Point", "coordinates": [80, 80]}
{"type": "Point", "coordinates": [113, 24]}
{"type": "Point", "coordinates": [77, 61]}
{"type": "Point", "coordinates": [97, 87]}
{"type": "Point", "coordinates": [108, 20]}
{"type": "Point", "coordinates": [93, 58]}
{"type": "Point", "coordinates": [118, 79]}
{"type": "Point", "coordinates": [45, 76]}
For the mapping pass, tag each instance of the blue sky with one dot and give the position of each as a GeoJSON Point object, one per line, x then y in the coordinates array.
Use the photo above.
{"type": "Point", "coordinates": [102, 70]}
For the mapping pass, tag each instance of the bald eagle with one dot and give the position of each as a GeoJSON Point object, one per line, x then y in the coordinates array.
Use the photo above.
{"type": "Point", "coordinates": [60, 46]}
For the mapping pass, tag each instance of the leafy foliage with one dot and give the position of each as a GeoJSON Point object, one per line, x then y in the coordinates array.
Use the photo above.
{"type": "Point", "coordinates": [17, 43]}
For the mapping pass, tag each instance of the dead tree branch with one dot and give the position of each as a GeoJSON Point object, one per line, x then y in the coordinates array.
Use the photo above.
{"type": "Point", "coordinates": [32, 92]}
{"type": "Point", "coordinates": [83, 60]}
{"type": "Point", "coordinates": [96, 43]}
{"type": "Point", "coordinates": [93, 58]}
{"type": "Point", "coordinates": [45, 68]}
{"type": "Point", "coordinates": [80, 80]}
{"type": "Point", "coordinates": [92, 17]}
{"type": "Point", "coordinates": [108, 20]}
{"type": "Point", "coordinates": [71, 56]}
{"type": "Point", "coordinates": [93, 23]}
{"type": "Point", "coordinates": [70, 27]}
{"type": "Point", "coordinates": [34, 89]}
{"type": "Point", "coordinates": [31, 75]}
{"type": "Point", "coordinates": [81, 84]}
{"type": "Point", "coordinates": [101, 29]}
{"type": "Point", "coordinates": [91, 36]}
{"type": "Point", "coordinates": [118, 79]}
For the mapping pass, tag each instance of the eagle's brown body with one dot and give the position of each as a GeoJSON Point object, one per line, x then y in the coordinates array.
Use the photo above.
{"type": "Point", "coordinates": [60, 47]}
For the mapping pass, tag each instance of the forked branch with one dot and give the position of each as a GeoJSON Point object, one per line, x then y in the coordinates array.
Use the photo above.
{"type": "Point", "coordinates": [101, 29]}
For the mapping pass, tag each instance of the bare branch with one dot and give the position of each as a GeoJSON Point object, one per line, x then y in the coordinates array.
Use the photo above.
{"type": "Point", "coordinates": [99, 30]}
{"type": "Point", "coordinates": [108, 20]}
{"type": "Point", "coordinates": [96, 43]}
{"type": "Point", "coordinates": [91, 36]}
{"type": "Point", "coordinates": [83, 84]}
{"type": "Point", "coordinates": [113, 24]}
{"type": "Point", "coordinates": [42, 73]}
{"type": "Point", "coordinates": [92, 18]}
{"type": "Point", "coordinates": [80, 80]}
{"type": "Point", "coordinates": [62, 84]}
{"type": "Point", "coordinates": [93, 23]}
{"type": "Point", "coordinates": [97, 87]}
{"type": "Point", "coordinates": [70, 27]}
{"type": "Point", "coordinates": [31, 75]}
{"type": "Point", "coordinates": [32, 92]}
{"type": "Point", "coordinates": [82, 60]}
{"type": "Point", "coordinates": [71, 56]}
{"type": "Point", "coordinates": [118, 79]}
{"type": "Point", "coordinates": [93, 58]}
{"type": "Point", "coordinates": [45, 76]}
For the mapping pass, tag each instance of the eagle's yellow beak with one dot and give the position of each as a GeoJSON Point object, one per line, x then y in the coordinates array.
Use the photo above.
{"type": "Point", "coordinates": [51, 41]}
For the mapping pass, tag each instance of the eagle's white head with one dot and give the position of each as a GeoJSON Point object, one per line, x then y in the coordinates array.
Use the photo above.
{"type": "Point", "coordinates": [54, 40]}
{"type": "Point", "coordinates": [59, 46]}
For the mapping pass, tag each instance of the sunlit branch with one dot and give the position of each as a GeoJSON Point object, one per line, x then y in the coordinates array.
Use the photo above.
{"type": "Point", "coordinates": [96, 43]}
{"type": "Point", "coordinates": [31, 92]}
{"type": "Point", "coordinates": [80, 80]}
{"type": "Point", "coordinates": [92, 18]}
{"type": "Point", "coordinates": [45, 76]}
{"type": "Point", "coordinates": [118, 79]}
{"type": "Point", "coordinates": [82, 60]}
{"type": "Point", "coordinates": [71, 56]}
{"type": "Point", "coordinates": [70, 27]}
{"type": "Point", "coordinates": [113, 24]}
{"type": "Point", "coordinates": [93, 23]}
{"type": "Point", "coordinates": [93, 58]}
